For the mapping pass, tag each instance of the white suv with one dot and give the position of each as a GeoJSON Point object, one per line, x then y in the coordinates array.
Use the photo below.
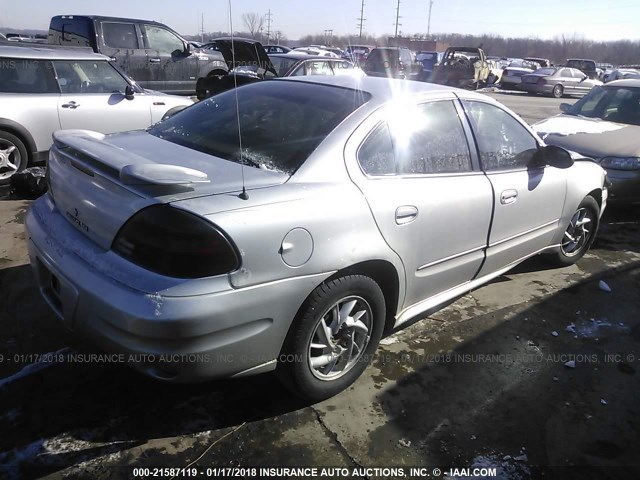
{"type": "Point", "coordinates": [44, 89]}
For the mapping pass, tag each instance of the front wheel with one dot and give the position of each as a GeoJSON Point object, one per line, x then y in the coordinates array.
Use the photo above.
{"type": "Point", "coordinates": [579, 234]}
{"type": "Point", "coordinates": [558, 91]}
{"type": "Point", "coordinates": [333, 338]}
{"type": "Point", "coordinates": [13, 156]}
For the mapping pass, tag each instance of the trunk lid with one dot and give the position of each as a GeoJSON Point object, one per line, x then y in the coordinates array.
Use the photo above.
{"type": "Point", "coordinates": [99, 181]}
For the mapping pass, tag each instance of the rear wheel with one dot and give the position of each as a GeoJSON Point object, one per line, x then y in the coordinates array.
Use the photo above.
{"type": "Point", "coordinates": [333, 338]}
{"type": "Point", "coordinates": [579, 234]}
{"type": "Point", "coordinates": [13, 156]}
{"type": "Point", "coordinates": [558, 91]}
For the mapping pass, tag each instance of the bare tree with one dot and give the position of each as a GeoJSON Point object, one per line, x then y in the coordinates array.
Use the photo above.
{"type": "Point", "coordinates": [253, 21]}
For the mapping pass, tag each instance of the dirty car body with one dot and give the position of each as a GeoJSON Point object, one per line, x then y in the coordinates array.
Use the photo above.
{"type": "Point", "coordinates": [296, 252]}
{"type": "Point", "coordinates": [605, 125]}
{"type": "Point", "coordinates": [462, 67]}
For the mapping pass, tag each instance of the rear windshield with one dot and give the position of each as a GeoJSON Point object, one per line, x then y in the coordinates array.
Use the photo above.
{"type": "Point", "coordinates": [281, 122]}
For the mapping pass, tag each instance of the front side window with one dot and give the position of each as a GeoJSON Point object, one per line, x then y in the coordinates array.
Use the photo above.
{"type": "Point", "coordinates": [162, 40]}
{"type": "Point", "coordinates": [19, 75]}
{"type": "Point", "coordinates": [120, 35]}
{"type": "Point", "coordinates": [503, 143]}
{"type": "Point", "coordinates": [88, 76]}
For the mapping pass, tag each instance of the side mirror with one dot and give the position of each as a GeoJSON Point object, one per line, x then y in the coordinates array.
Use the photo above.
{"type": "Point", "coordinates": [128, 92]}
{"type": "Point", "coordinates": [564, 107]}
{"type": "Point", "coordinates": [187, 48]}
{"type": "Point", "coordinates": [553, 156]}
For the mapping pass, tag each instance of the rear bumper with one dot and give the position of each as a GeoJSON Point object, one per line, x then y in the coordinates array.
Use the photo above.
{"type": "Point", "coordinates": [175, 338]}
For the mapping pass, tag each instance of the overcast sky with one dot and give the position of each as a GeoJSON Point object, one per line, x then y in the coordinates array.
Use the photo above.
{"type": "Point", "coordinates": [590, 19]}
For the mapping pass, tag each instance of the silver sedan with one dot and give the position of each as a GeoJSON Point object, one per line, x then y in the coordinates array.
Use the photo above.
{"type": "Point", "coordinates": [287, 224]}
{"type": "Point", "coordinates": [557, 82]}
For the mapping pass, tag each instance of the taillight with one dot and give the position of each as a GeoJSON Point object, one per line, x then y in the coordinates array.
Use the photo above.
{"type": "Point", "coordinates": [175, 243]}
{"type": "Point", "coordinates": [541, 81]}
{"type": "Point", "coordinates": [400, 66]}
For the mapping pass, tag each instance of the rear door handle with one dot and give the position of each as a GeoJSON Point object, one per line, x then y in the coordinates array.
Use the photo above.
{"type": "Point", "coordinates": [154, 60]}
{"type": "Point", "coordinates": [406, 214]}
{"type": "Point", "coordinates": [508, 196]}
{"type": "Point", "coordinates": [72, 105]}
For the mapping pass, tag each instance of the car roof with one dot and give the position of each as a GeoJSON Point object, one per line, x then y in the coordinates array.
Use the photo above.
{"type": "Point", "coordinates": [383, 89]}
{"type": "Point", "coordinates": [38, 51]}
{"type": "Point", "coordinates": [303, 56]}
{"type": "Point", "coordinates": [628, 82]}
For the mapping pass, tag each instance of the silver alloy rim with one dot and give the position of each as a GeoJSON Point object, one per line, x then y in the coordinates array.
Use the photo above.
{"type": "Point", "coordinates": [9, 159]}
{"type": "Point", "coordinates": [557, 91]}
{"type": "Point", "coordinates": [578, 233]}
{"type": "Point", "coordinates": [340, 338]}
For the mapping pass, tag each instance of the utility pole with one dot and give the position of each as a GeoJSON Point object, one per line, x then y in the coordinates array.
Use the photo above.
{"type": "Point", "coordinates": [429, 21]}
{"type": "Point", "coordinates": [361, 20]}
{"type": "Point", "coordinates": [268, 15]}
{"type": "Point", "coordinates": [398, 17]}
{"type": "Point", "coordinates": [202, 29]}
{"type": "Point", "coordinates": [328, 37]}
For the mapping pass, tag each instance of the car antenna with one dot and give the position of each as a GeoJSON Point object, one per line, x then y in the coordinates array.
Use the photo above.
{"type": "Point", "coordinates": [243, 195]}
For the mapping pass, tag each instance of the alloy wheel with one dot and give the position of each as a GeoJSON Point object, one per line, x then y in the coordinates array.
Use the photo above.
{"type": "Point", "coordinates": [578, 233]}
{"type": "Point", "coordinates": [340, 338]}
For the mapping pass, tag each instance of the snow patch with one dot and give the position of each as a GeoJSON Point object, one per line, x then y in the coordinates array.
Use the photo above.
{"type": "Point", "coordinates": [565, 125]}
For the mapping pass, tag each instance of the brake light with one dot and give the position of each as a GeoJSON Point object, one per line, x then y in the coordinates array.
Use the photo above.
{"type": "Point", "coordinates": [176, 243]}
{"type": "Point", "coordinates": [542, 81]}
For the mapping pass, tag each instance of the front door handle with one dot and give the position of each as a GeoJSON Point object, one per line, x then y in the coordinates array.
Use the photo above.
{"type": "Point", "coordinates": [406, 214]}
{"type": "Point", "coordinates": [72, 105]}
{"type": "Point", "coordinates": [508, 196]}
{"type": "Point", "coordinates": [154, 60]}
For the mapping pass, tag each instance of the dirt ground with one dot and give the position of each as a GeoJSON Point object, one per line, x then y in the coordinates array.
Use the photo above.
{"type": "Point", "coordinates": [534, 375]}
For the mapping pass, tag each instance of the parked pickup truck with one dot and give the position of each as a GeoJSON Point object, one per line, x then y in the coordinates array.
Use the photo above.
{"type": "Point", "coordinates": [462, 67]}
{"type": "Point", "coordinates": [150, 52]}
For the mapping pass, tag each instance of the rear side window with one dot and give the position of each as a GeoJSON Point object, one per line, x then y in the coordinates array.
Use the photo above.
{"type": "Point", "coordinates": [72, 31]}
{"type": "Point", "coordinates": [503, 143]}
{"type": "Point", "coordinates": [419, 140]}
{"type": "Point", "coordinates": [18, 75]}
{"type": "Point", "coordinates": [430, 139]}
{"type": "Point", "coordinates": [376, 156]}
{"type": "Point", "coordinates": [120, 35]}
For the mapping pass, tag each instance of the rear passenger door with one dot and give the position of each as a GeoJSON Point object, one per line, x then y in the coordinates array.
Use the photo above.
{"type": "Point", "coordinates": [414, 165]}
{"type": "Point", "coordinates": [527, 199]}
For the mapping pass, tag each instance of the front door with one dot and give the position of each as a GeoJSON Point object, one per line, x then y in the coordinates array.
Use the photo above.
{"type": "Point", "coordinates": [93, 98]}
{"type": "Point", "coordinates": [171, 65]}
{"type": "Point", "coordinates": [527, 199]}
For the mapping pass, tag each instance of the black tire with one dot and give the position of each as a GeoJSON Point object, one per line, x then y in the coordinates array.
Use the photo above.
{"type": "Point", "coordinates": [557, 91]}
{"type": "Point", "coordinates": [579, 233]}
{"type": "Point", "coordinates": [13, 156]}
{"type": "Point", "coordinates": [346, 356]}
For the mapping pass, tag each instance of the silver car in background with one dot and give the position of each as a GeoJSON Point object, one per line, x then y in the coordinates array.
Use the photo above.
{"type": "Point", "coordinates": [557, 82]}
{"type": "Point", "coordinates": [45, 88]}
{"type": "Point", "coordinates": [286, 224]}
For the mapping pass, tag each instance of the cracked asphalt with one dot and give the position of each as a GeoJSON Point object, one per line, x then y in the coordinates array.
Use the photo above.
{"type": "Point", "coordinates": [535, 375]}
